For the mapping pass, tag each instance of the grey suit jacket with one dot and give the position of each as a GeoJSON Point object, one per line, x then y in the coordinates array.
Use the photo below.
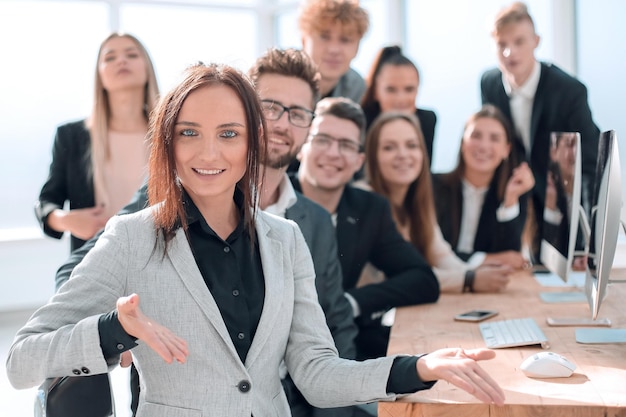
{"type": "Point", "coordinates": [319, 233]}
{"type": "Point", "coordinates": [63, 336]}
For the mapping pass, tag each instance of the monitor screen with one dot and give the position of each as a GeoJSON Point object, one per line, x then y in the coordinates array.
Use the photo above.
{"type": "Point", "coordinates": [562, 204]}
{"type": "Point", "coordinates": [605, 220]}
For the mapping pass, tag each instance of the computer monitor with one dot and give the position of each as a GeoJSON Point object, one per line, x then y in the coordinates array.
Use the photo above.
{"type": "Point", "coordinates": [605, 221]}
{"type": "Point", "coordinates": [562, 204]}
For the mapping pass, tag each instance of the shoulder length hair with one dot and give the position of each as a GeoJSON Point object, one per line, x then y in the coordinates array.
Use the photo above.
{"type": "Point", "coordinates": [163, 185]}
{"type": "Point", "coordinates": [417, 209]}
{"type": "Point", "coordinates": [98, 121]}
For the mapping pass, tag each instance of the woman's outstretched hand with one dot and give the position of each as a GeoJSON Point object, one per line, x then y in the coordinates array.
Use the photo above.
{"type": "Point", "coordinates": [160, 339]}
{"type": "Point", "coordinates": [460, 368]}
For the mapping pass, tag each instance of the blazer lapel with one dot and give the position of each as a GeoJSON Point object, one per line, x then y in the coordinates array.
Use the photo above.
{"type": "Point", "coordinates": [347, 232]}
{"type": "Point", "coordinates": [271, 250]}
{"type": "Point", "coordinates": [538, 104]}
{"type": "Point", "coordinates": [185, 264]}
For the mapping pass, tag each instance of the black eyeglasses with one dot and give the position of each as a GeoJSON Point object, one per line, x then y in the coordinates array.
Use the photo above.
{"type": "Point", "coordinates": [298, 116]}
{"type": "Point", "coordinates": [346, 147]}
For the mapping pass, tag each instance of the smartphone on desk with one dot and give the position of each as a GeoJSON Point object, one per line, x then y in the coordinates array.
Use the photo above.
{"type": "Point", "coordinates": [475, 315]}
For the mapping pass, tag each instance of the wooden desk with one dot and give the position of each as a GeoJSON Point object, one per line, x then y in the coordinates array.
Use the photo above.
{"type": "Point", "coordinates": [597, 387]}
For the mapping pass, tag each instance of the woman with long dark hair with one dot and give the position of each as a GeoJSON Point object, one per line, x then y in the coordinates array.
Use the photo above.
{"type": "Point", "coordinates": [482, 203]}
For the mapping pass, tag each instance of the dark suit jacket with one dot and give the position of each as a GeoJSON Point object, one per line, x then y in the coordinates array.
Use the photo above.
{"type": "Point", "coordinates": [491, 235]}
{"type": "Point", "coordinates": [68, 179]}
{"type": "Point", "coordinates": [366, 233]}
{"type": "Point", "coordinates": [560, 105]}
{"type": "Point", "coordinates": [427, 118]}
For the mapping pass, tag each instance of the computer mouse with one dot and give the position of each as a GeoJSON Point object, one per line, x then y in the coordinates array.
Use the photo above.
{"type": "Point", "coordinates": [547, 365]}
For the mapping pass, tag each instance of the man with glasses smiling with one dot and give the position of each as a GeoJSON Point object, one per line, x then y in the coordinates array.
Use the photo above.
{"type": "Point", "coordinates": [364, 227]}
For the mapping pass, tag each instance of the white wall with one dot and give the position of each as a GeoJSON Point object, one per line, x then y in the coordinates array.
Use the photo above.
{"type": "Point", "coordinates": [602, 66]}
{"type": "Point", "coordinates": [47, 74]}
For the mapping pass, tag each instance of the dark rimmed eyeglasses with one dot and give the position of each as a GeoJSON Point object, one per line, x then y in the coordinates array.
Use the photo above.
{"type": "Point", "coordinates": [298, 116]}
{"type": "Point", "coordinates": [346, 147]}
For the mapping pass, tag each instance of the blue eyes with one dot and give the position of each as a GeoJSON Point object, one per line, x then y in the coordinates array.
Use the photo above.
{"type": "Point", "coordinates": [188, 132]}
{"type": "Point", "coordinates": [228, 134]}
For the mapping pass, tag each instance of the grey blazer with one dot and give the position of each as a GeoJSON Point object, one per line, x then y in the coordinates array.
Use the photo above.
{"type": "Point", "coordinates": [62, 337]}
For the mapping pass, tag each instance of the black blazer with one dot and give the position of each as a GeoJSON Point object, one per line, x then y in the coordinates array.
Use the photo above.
{"type": "Point", "coordinates": [366, 233]}
{"type": "Point", "coordinates": [491, 235]}
{"type": "Point", "coordinates": [69, 178]}
{"type": "Point", "coordinates": [427, 119]}
{"type": "Point", "coordinates": [560, 105]}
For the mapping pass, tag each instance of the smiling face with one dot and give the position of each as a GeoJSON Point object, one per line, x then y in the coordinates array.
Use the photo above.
{"type": "Point", "coordinates": [399, 153]}
{"type": "Point", "coordinates": [121, 65]}
{"type": "Point", "coordinates": [284, 139]}
{"type": "Point", "coordinates": [211, 144]}
{"type": "Point", "coordinates": [332, 47]}
{"type": "Point", "coordinates": [396, 88]}
{"type": "Point", "coordinates": [329, 168]}
{"type": "Point", "coordinates": [516, 44]}
{"type": "Point", "coordinates": [484, 145]}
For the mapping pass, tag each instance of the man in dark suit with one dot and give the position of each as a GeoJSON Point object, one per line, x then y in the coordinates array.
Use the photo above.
{"type": "Point", "coordinates": [287, 82]}
{"type": "Point", "coordinates": [539, 98]}
{"type": "Point", "coordinates": [364, 226]}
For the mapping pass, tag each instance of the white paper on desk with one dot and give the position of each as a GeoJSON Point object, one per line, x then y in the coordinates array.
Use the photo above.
{"type": "Point", "coordinates": [549, 279]}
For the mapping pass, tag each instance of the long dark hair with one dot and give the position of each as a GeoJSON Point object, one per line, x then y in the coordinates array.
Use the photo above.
{"type": "Point", "coordinates": [163, 186]}
{"type": "Point", "coordinates": [418, 207]}
{"type": "Point", "coordinates": [389, 55]}
{"type": "Point", "coordinates": [502, 173]}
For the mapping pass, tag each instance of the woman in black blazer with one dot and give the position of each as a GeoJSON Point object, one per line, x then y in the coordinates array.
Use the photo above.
{"type": "Point", "coordinates": [392, 85]}
{"type": "Point", "coordinates": [481, 205]}
{"type": "Point", "coordinates": [98, 163]}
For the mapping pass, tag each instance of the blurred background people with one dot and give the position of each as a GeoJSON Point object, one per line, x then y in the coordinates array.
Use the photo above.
{"type": "Point", "coordinates": [537, 98]}
{"type": "Point", "coordinates": [397, 168]}
{"type": "Point", "coordinates": [98, 163]}
{"type": "Point", "coordinates": [392, 85]}
{"type": "Point", "coordinates": [364, 226]}
{"type": "Point", "coordinates": [481, 205]}
{"type": "Point", "coordinates": [331, 31]}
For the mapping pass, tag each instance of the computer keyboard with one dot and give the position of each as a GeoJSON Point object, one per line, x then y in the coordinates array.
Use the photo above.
{"type": "Point", "coordinates": [514, 332]}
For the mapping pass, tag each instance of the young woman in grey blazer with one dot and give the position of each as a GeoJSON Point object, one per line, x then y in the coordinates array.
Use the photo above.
{"type": "Point", "coordinates": [210, 293]}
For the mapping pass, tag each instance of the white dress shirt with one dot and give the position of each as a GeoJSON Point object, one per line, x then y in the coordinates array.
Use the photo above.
{"type": "Point", "coordinates": [473, 199]}
{"type": "Point", "coordinates": [521, 102]}
{"type": "Point", "coordinates": [286, 198]}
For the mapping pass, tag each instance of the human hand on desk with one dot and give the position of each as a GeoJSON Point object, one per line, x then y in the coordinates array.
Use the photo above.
{"type": "Point", "coordinates": [491, 278]}
{"type": "Point", "coordinates": [460, 368]}
{"type": "Point", "coordinates": [160, 339]}
{"type": "Point", "coordinates": [511, 258]}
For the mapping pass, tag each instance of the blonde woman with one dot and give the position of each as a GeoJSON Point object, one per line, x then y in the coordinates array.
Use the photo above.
{"type": "Point", "coordinates": [98, 163]}
{"type": "Point", "coordinates": [397, 167]}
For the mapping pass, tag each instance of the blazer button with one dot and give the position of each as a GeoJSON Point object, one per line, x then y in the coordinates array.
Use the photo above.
{"type": "Point", "coordinates": [244, 386]}
{"type": "Point", "coordinates": [85, 370]}
{"type": "Point", "coordinates": [75, 371]}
